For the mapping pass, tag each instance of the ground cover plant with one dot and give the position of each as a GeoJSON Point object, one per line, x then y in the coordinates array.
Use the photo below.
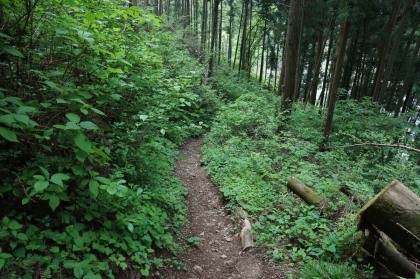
{"type": "Point", "coordinates": [252, 150]}
{"type": "Point", "coordinates": [94, 99]}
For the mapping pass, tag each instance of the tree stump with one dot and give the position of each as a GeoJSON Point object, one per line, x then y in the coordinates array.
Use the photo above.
{"type": "Point", "coordinates": [396, 212]}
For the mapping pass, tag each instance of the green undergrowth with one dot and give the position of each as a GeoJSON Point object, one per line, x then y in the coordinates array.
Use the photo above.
{"type": "Point", "coordinates": [252, 151]}
{"type": "Point", "coordinates": [95, 97]}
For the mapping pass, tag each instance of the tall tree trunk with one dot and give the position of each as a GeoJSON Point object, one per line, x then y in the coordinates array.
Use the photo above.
{"type": "Point", "coordinates": [292, 52]}
{"type": "Point", "coordinates": [309, 71]}
{"type": "Point", "coordinates": [351, 58]}
{"type": "Point", "coordinates": [239, 34]}
{"type": "Point", "coordinates": [196, 17]}
{"type": "Point", "coordinates": [276, 67]}
{"type": "Point", "coordinates": [383, 51]}
{"type": "Point", "coordinates": [248, 52]}
{"type": "Point", "coordinates": [355, 89]}
{"type": "Point", "coordinates": [327, 63]}
{"type": "Point", "coordinates": [315, 79]}
{"type": "Point", "coordinates": [298, 79]}
{"type": "Point", "coordinates": [213, 35]}
{"type": "Point", "coordinates": [391, 58]}
{"type": "Point", "coordinates": [242, 56]}
{"type": "Point", "coordinates": [408, 79]}
{"type": "Point", "coordinates": [341, 49]}
{"type": "Point", "coordinates": [280, 89]}
{"type": "Point", "coordinates": [220, 32]}
{"type": "Point", "coordinates": [203, 32]}
{"type": "Point", "coordinates": [156, 7]}
{"type": "Point", "coordinates": [263, 49]}
{"type": "Point", "coordinates": [231, 13]}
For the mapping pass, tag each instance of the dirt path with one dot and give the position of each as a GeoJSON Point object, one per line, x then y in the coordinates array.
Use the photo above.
{"type": "Point", "coordinates": [218, 254]}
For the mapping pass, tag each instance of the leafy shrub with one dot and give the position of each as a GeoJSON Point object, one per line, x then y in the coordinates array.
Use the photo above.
{"type": "Point", "coordinates": [91, 112]}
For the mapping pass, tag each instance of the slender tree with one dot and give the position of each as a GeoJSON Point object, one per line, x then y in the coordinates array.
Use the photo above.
{"type": "Point", "coordinates": [341, 48]}
{"type": "Point", "coordinates": [213, 35]}
{"type": "Point", "coordinates": [292, 53]}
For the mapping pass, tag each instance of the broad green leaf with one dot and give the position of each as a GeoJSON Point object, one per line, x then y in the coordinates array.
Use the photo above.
{"type": "Point", "coordinates": [144, 272]}
{"type": "Point", "coordinates": [100, 153]}
{"type": "Point", "coordinates": [103, 180]}
{"type": "Point", "coordinates": [54, 86]}
{"type": "Point", "coordinates": [130, 227]}
{"type": "Point", "coordinates": [78, 272]}
{"type": "Point", "coordinates": [39, 177]}
{"type": "Point", "coordinates": [25, 201]}
{"type": "Point", "coordinates": [8, 134]}
{"type": "Point", "coordinates": [41, 185]}
{"type": "Point", "coordinates": [143, 117]}
{"type": "Point", "coordinates": [88, 125]}
{"type": "Point", "coordinates": [94, 187]}
{"type": "Point", "coordinates": [21, 118]}
{"type": "Point", "coordinates": [73, 117]}
{"type": "Point", "coordinates": [13, 225]}
{"type": "Point", "coordinates": [81, 155]}
{"type": "Point", "coordinates": [7, 119]}
{"type": "Point", "coordinates": [4, 35]}
{"type": "Point", "coordinates": [116, 97]}
{"type": "Point", "coordinates": [12, 51]}
{"type": "Point", "coordinates": [83, 142]}
{"type": "Point", "coordinates": [45, 172]}
{"type": "Point", "coordinates": [55, 249]}
{"type": "Point", "coordinates": [115, 70]}
{"type": "Point", "coordinates": [22, 236]}
{"type": "Point", "coordinates": [2, 263]}
{"type": "Point", "coordinates": [54, 202]}
{"type": "Point", "coordinates": [97, 111]}
{"type": "Point", "coordinates": [58, 178]}
{"type": "Point", "coordinates": [25, 109]}
{"type": "Point", "coordinates": [71, 126]}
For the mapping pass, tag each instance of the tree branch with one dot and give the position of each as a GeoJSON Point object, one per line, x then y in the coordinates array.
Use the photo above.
{"type": "Point", "coordinates": [377, 145]}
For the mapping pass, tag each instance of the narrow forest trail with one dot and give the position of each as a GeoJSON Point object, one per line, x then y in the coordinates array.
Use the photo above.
{"type": "Point", "coordinates": [218, 254]}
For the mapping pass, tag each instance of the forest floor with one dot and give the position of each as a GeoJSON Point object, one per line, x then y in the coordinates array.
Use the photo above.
{"type": "Point", "coordinates": [216, 251]}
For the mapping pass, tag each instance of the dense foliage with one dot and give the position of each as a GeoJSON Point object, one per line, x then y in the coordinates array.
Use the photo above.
{"type": "Point", "coordinates": [94, 98]}
{"type": "Point", "coordinates": [251, 152]}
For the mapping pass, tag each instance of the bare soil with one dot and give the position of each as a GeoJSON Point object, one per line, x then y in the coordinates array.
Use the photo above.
{"type": "Point", "coordinates": [218, 251]}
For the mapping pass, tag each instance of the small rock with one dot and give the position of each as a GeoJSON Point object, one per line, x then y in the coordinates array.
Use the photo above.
{"type": "Point", "coordinates": [223, 256]}
{"type": "Point", "coordinates": [229, 239]}
{"type": "Point", "coordinates": [202, 234]}
{"type": "Point", "coordinates": [229, 263]}
{"type": "Point", "coordinates": [198, 269]}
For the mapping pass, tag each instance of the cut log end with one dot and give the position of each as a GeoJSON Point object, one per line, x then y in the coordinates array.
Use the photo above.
{"type": "Point", "coordinates": [305, 193]}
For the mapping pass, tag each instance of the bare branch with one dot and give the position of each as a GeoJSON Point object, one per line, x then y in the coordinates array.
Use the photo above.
{"type": "Point", "coordinates": [377, 145]}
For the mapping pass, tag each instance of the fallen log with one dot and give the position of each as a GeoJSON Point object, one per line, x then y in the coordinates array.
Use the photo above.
{"type": "Point", "coordinates": [305, 193]}
{"type": "Point", "coordinates": [378, 246]}
{"type": "Point", "coordinates": [396, 212]}
{"type": "Point", "coordinates": [246, 236]}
